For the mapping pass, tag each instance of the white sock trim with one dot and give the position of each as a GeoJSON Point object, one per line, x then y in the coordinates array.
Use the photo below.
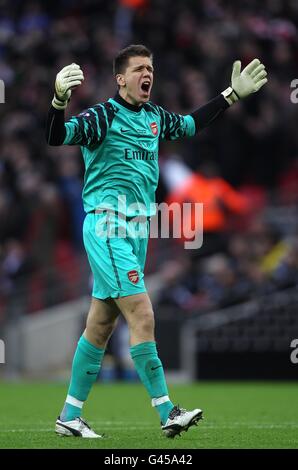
{"type": "Point", "coordinates": [160, 400]}
{"type": "Point", "coordinates": [73, 401]}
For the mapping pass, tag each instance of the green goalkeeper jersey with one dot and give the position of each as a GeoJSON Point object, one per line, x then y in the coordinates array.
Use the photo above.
{"type": "Point", "coordinates": [119, 143]}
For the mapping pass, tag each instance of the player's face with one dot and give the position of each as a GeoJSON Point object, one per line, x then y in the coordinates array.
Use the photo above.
{"type": "Point", "coordinates": [137, 80]}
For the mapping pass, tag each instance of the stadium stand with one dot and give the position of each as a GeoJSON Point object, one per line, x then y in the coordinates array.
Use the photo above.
{"type": "Point", "coordinates": [254, 150]}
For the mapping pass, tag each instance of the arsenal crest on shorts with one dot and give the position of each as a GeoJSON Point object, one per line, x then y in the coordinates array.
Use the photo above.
{"type": "Point", "coordinates": [133, 276]}
{"type": "Point", "coordinates": [154, 128]}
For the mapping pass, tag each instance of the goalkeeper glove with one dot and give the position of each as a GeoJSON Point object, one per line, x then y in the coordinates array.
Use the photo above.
{"type": "Point", "coordinates": [250, 80]}
{"type": "Point", "coordinates": [66, 80]}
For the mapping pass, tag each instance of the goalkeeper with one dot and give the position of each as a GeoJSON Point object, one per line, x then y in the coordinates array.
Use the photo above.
{"type": "Point", "coordinates": [119, 142]}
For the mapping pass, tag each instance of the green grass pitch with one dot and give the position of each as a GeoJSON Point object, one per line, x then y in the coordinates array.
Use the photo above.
{"type": "Point", "coordinates": [237, 415]}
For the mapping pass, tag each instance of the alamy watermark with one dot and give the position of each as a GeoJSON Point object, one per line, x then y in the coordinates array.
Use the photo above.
{"type": "Point", "coordinates": [181, 221]}
{"type": "Point", "coordinates": [294, 94]}
{"type": "Point", "coordinates": [294, 353]}
{"type": "Point", "coordinates": [2, 352]}
{"type": "Point", "coordinates": [2, 92]}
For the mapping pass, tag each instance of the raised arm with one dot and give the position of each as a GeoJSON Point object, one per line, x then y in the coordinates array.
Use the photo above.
{"type": "Point", "coordinates": [244, 83]}
{"type": "Point", "coordinates": [67, 79]}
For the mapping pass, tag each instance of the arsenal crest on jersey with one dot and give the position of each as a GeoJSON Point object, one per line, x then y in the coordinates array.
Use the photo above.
{"type": "Point", "coordinates": [133, 276]}
{"type": "Point", "coordinates": [154, 128]}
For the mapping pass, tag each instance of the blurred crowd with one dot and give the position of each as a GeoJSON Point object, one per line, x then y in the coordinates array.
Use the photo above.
{"type": "Point", "coordinates": [253, 148]}
{"type": "Point", "coordinates": [253, 264]}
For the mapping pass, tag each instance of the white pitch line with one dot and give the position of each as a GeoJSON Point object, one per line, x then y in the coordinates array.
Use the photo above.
{"type": "Point", "coordinates": [25, 430]}
{"type": "Point", "coordinates": [135, 428]}
{"type": "Point", "coordinates": [206, 422]}
{"type": "Point", "coordinates": [36, 430]}
{"type": "Point", "coordinates": [50, 423]}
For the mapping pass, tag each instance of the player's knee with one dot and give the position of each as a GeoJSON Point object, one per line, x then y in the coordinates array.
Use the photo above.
{"type": "Point", "coordinates": [139, 315]}
{"type": "Point", "coordinates": [144, 322]}
{"type": "Point", "coordinates": [139, 306]}
{"type": "Point", "coordinates": [101, 330]}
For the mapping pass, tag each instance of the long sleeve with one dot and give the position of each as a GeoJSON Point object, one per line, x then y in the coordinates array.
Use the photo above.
{"type": "Point", "coordinates": [208, 113]}
{"type": "Point", "coordinates": [55, 127]}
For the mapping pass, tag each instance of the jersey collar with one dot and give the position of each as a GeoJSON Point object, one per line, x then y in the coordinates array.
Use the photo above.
{"type": "Point", "coordinates": [127, 105]}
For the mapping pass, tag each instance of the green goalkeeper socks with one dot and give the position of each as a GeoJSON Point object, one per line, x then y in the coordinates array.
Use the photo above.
{"type": "Point", "coordinates": [85, 368]}
{"type": "Point", "coordinates": [150, 370]}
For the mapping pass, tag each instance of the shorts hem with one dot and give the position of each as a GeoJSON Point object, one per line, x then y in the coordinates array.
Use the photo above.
{"type": "Point", "coordinates": [118, 295]}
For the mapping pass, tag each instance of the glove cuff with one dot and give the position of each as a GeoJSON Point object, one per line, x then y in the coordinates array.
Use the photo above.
{"type": "Point", "coordinates": [58, 104]}
{"type": "Point", "coordinates": [230, 95]}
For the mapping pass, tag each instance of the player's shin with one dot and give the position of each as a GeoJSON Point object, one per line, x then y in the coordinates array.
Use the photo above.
{"type": "Point", "coordinates": [85, 368]}
{"type": "Point", "coordinates": [151, 373]}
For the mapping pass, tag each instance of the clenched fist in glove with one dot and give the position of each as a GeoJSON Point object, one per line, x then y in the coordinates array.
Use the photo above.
{"type": "Point", "coordinates": [250, 80]}
{"type": "Point", "coordinates": [66, 80]}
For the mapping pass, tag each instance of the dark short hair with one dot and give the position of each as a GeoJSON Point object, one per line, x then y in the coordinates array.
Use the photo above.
{"type": "Point", "coordinates": [121, 60]}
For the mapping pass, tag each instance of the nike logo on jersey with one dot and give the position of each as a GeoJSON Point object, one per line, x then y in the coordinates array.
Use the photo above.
{"type": "Point", "coordinates": [153, 368]}
{"type": "Point", "coordinates": [91, 373]}
{"type": "Point", "coordinates": [124, 130]}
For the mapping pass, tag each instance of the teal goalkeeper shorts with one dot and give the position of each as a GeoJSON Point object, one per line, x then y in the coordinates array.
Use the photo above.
{"type": "Point", "coordinates": [116, 248]}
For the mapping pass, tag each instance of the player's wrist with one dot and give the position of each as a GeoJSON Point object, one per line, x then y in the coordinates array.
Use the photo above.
{"type": "Point", "coordinates": [59, 104]}
{"type": "Point", "coordinates": [230, 95]}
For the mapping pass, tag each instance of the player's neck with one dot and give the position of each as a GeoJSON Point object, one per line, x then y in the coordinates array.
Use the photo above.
{"type": "Point", "coordinates": [127, 102]}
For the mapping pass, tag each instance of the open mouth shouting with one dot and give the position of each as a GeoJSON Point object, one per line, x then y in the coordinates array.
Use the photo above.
{"type": "Point", "coordinates": [146, 87]}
